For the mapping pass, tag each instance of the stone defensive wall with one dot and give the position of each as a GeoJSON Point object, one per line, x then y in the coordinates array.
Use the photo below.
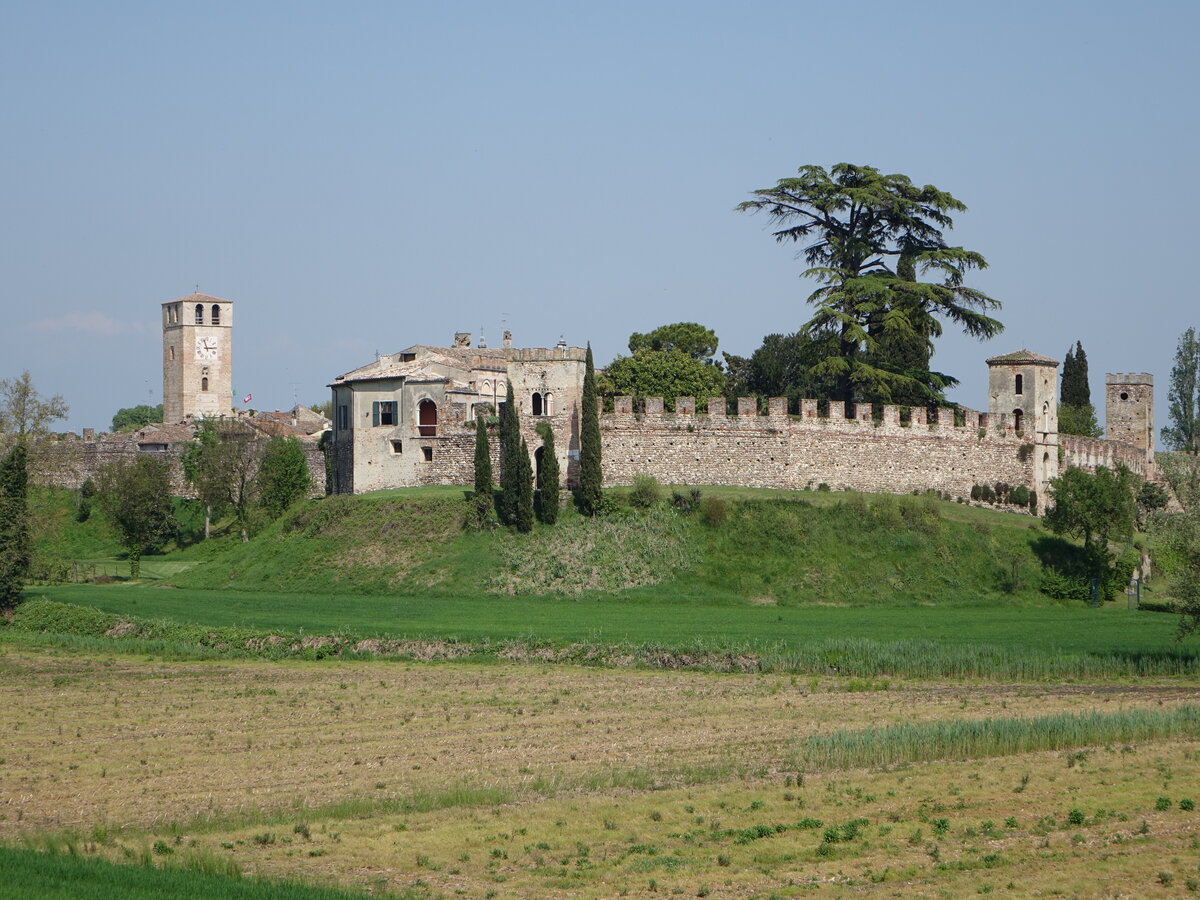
{"type": "Point", "coordinates": [778, 450]}
{"type": "Point", "coordinates": [1089, 453]}
{"type": "Point", "coordinates": [69, 463]}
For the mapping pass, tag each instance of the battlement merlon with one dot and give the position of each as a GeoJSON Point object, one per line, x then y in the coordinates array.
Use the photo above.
{"type": "Point", "coordinates": [1120, 378]}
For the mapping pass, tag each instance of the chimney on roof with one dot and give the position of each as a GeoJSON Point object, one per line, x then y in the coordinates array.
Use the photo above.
{"type": "Point", "coordinates": [462, 339]}
{"type": "Point", "coordinates": [507, 342]}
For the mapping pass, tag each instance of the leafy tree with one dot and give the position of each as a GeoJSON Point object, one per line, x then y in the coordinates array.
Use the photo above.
{"type": "Point", "coordinates": [695, 340]}
{"type": "Point", "coordinates": [865, 235]}
{"type": "Point", "coordinates": [510, 450]}
{"type": "Point", "coordinates": [1079, 420]}
{"type": "Point", "coordinates": [1095, 506]}
{"type": "Point", "coordinates": [132, 418]}
{"type": "Point", "coordinates": [1183, 398]}
{"type": "Point", "coordinates": [663, 373]}
{"type": "Point", "coordinates": [283, 476]}
{"type": "Point", "coordinates": [781, 367]}
{"type": "Point", "coordinates": [15, 551]}
{"type": "Point", "coordinates": [524, 516]}
{"type": "Point", "coordinates": [547, 506]}
{"type": "Point", "coordinates": [1182, 473]}
{"type": "Point", "coordinates": [25, 412]}
{"type": "Point", "coordinates": [325, 408]}
{"type": "Point", "coordinates": [1076, 415]}
{"type": "Point", "coordinates": [136, 498]}
{"type": "Point", "coordinates": [221, 463]}
{"type": "Point", "coordinates": [591, 477]}
{"type": "Point", "coordinates": [482, 501]}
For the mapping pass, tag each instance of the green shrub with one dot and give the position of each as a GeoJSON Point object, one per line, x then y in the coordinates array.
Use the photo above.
{"type": "Point", "coordinates": [646, 491]}
{"type": "Point", "coordinates": [713, 511]}
{"type": "Point", "coordinates": [1019, 496]}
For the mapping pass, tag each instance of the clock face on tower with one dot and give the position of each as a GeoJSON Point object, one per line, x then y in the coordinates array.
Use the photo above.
{"type": "Point", "coordinates": [206, 348]}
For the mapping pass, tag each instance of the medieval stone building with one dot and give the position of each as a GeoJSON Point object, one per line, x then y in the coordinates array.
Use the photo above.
{"type": "Point", "coordinates": [403, 420]}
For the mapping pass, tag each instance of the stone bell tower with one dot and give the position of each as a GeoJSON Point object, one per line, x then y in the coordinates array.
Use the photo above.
{"type": "Point", "coordinates": [197, 357]}
{"type": "Point", "coordinates": [1023, 395]}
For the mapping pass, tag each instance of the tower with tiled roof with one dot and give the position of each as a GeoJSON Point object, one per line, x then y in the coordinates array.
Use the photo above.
{"type": "Point", "coordinates": [197, 357]}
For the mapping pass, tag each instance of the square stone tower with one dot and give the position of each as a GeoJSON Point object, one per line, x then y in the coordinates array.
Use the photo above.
{"type": "Point", "coordinates": [1023, 393]}
{"type": "Point", "coordinates": [197, 357]}
{"type": "Point", "coordinates": [1129, 410]}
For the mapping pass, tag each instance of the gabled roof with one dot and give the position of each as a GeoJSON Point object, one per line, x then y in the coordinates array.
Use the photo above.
{"type": "Point", "coordinates": [198, 298]}
{"type": "Point", "coordinates": [1017, 357]}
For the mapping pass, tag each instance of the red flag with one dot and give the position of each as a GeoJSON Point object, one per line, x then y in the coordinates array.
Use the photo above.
{"type": "Point", "coordinates": [247, 398]}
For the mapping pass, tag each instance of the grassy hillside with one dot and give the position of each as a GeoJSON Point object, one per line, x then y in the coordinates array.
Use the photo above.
{"type": "Point", "coordinates": [767, 547]}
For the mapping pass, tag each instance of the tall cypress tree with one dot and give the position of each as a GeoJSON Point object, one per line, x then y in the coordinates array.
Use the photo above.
{"type": "Point", "coordinates": [591, 477]}
{"type": "Point", "coordinates": [548, 496]}
{"type": "Point", "coordinates": [483, 500]}
{"type": "Point", "coordinates": [510, 449]}
{"type": "Point", "coordinates": [1075, 388]}
{"type": "Point", "coordinates": [14, 525]}
{"type": "Point", "coordinates": [524, 516]}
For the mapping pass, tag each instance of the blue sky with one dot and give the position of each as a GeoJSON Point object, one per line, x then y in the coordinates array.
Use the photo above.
{"type": "Point", "coordinates": [366, 176]}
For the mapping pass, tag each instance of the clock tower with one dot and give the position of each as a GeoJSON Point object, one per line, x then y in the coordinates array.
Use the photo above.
{"type": "Point", "coordinates": [197, 357]}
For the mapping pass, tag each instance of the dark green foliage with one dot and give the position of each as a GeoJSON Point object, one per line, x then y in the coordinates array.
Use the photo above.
{"type": "Point", "coordinates": [663, 373]}
{"type": "Point", "coordinates": [283, 476]}
{"type": "Point", "coordinates": [853, 222]}
{"type": "Point", "coordinates": [134, 417]}
{"type": "Point", "coordinates": [136, 498]}
{"type": "Point", "coordinates": [1019, 496]}
{"type": "Point", "coordinates": [510, 450]}
{"type": "Point", "coordinates": [15, 548]}
{"type": "Point", "coordinates": [548, 494]}
{"type": "Point", "coordinates": [1183, 397]}
{"type": "Point", "coordinates": [483, 499]}
{"type": "Point", "coordinates": [1184, 541]}
{"type": "Point", "coordinates": [591, 478]}
{"type": "Point", "coordinates": [695, 340]}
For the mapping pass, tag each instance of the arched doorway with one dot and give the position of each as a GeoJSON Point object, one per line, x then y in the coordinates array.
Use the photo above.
{"type": "Point", "coordinates": [427, 418]}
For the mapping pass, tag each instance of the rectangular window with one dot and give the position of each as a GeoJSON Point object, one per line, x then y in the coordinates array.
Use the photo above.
{"type": "Point", "coordinates": [428, 453]}
{"type": "Point", "coordinates": [397, 447]}
{"type": "Point", "coordinates": [343, 420]}
{"type": "Point", "coordinates": [387, 412]}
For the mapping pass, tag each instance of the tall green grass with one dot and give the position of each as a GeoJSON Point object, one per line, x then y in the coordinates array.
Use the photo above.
{"type": "Point", "coordinates": [1106, 648]}
{"type": "Point", "coordinates": [973, 739]}
{"type": "Point", "coordinates": [38, 875]}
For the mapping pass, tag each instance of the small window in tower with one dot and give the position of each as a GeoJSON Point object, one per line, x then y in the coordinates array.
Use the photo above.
{"type": "Point", "coordinates": [537, 403]}
{"type": "Point", "coordinates": [397, 446]}
{"type": "Point", "coordinates": [204, 384]}
{"type": "Point", "coordinates": [216, 314]}
{"type": "Point", "coordinates": [172, 354]}
{"type": "Point", "coordinates": [1020, 385]}
{"type": "Point", "coordinates": [427, 452]}
{"type": "Point", "coordinates": [547, 404]}
{"type": "Point", "coordinates": [1124, 396]}
{"type": "Point", "coordinates": [199, 313]}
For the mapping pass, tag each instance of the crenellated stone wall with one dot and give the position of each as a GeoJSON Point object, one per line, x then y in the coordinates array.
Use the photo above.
{"type": "Point", "coordinates": [1089, 453]}
{"type": "Point", "coordinates": [848, 450]}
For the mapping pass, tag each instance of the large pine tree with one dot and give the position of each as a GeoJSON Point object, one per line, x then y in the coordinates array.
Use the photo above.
{"type": "Point", "coordinates": [510, 448]}
{"type": "Point", "coordinates": [14, 525]}
{"type": "Point", "coordinates": [591, 477]}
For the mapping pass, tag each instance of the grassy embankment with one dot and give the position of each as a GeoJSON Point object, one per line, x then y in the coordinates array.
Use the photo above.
{"type": "Point", "coordinates": [795, 581]}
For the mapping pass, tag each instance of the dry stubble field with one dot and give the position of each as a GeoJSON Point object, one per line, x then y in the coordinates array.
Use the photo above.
{"type": "Point", "coordinates": [556, 781]}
